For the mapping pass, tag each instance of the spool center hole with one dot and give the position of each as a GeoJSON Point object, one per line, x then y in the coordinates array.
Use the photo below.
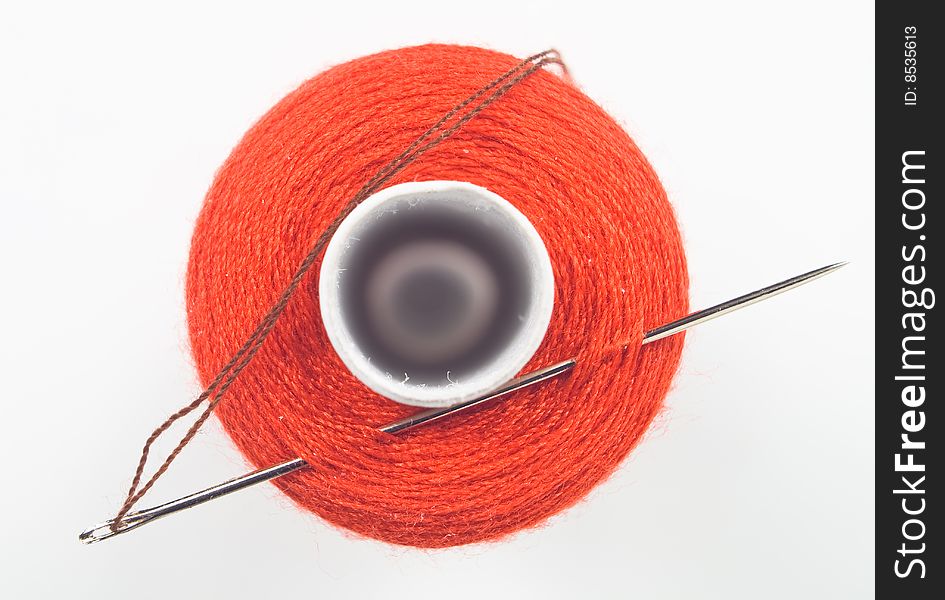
{"type": "Point", "coordinates": [434, 292]}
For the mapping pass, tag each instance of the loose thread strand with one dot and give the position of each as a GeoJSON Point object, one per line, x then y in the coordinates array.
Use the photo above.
{"type": "Point", "coordinates": [231, 370]}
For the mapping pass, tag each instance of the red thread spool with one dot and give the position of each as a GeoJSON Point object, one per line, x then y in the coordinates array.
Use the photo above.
{"type": "Point", "coordinates": [619, 270]}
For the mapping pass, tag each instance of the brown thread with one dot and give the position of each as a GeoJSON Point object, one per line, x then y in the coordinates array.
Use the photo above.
{"type": "Point", "coordinates": [245, 354]}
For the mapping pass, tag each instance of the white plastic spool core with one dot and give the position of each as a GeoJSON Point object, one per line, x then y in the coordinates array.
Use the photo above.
{"type": "Point", "coordinates": [435, 292]}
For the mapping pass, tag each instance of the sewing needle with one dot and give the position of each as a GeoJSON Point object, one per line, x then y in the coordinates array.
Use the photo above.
{"type": "Point", "coordinates": [138, 518]}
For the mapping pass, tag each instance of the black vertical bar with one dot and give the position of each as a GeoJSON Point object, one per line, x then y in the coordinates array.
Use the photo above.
{"type": "Point", "coordinates": [909, 365]}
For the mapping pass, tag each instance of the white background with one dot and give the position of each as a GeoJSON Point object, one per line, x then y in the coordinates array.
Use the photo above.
{"type": "Point", "coordinates": [757, 481]}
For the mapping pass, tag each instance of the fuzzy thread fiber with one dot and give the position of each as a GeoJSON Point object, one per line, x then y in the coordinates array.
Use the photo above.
{"type": "Point", "coordinates": [619, 270]}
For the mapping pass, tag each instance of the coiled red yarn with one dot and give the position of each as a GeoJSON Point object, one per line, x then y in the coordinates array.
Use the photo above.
{"type": "Point", "coordinates": [619, 270]}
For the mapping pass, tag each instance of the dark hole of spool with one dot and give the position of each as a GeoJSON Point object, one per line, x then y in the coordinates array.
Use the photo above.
{"type": "Point", "coordinates": [434, 297]}
{"type": "Point", "coordinates": [427, 301]}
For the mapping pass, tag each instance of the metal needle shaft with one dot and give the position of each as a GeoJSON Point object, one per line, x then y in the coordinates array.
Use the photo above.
{"type": "Point", "coordinates": [713, 312]}
{"type": "Point", "coordinates": [137, 519]}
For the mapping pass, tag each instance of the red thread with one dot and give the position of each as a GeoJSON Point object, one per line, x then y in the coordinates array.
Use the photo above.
{"type": "Point", "coordinates": [619, 270]}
